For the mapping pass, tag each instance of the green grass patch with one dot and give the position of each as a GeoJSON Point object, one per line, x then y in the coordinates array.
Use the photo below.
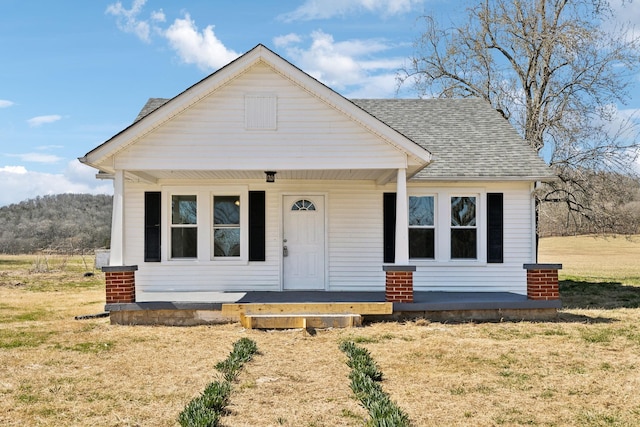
{"type": "Point", "coordinates": [31, 316]}
{"type": "Point", "coordinates": [23, 338]}
{"type": "Point", "coordinates": [595, 335]}
{"type": "Point", "coordinates": [88, 347]}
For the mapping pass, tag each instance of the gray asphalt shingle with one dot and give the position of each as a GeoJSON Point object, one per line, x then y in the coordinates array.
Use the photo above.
{"type": "Point", "coordinates": [467, 138]}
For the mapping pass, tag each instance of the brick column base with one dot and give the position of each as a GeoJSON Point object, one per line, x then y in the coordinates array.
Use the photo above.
{"type": "Point", "coordinates": [398, 283]}
{"type": "Point", "coordinates": [120, 283]}
{"type": "Point", "coordinates": [542, 281]}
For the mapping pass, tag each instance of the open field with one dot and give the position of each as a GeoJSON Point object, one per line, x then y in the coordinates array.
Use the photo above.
{"type": "Point", "coordinates": [581, 370]}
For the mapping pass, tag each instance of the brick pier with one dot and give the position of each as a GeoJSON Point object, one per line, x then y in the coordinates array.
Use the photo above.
{"type": "Point", "coordinates": [120, 283]}
{"type": "Point", "coordinates": [542, 281]}
{"type": "Point", "coordinates": [399, 283]}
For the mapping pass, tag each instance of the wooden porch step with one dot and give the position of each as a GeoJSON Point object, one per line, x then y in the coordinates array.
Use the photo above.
{"type": "Point", "coordinates": [297, 321]}
{"type": "Point", "coordinates": [362, 308]}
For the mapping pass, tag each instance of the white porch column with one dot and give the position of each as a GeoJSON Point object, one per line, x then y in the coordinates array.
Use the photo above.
{"type": "Point", "coordinates": [116, 255]}
{"type": "Point", "coordinates": [402, 219]}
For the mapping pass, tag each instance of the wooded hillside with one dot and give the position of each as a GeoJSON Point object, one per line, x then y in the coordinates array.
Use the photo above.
{"type": "Point", "coordinates": [63, 222]}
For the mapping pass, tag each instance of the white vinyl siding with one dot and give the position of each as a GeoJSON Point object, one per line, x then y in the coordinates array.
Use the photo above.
{"type": "Point", "coordinates": [474, 276]}
{"type": "Point", "coordinates": [211, 134]}
{"type": "Point", "coordinates": [354, 246]}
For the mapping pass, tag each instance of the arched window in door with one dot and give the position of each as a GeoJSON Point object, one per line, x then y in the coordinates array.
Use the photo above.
{"type": "Point", "coordinates": [303, 205]}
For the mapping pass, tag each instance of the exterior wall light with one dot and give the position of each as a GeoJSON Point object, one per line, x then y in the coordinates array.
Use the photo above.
{"type": "Point", "coordinates": [271, 176]}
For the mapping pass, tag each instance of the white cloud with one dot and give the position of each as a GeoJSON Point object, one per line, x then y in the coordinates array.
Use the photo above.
{"type": "Point", "coordinates": [36, 157]}
{"type": "Point", "coordinates": [284, 41]}
{"type": "Point", "coordinates": [324, 9]}
{"type": "Point", "coordinates": [41, 120]}
{"type": "Point", "coordinates": [4, 103]}
{"type": "Point", "coordinates": [129, 22]}
{"type": "Point", "coordinates": [349, 66]}
{"type": "Point", "coordinates": [18, 170]}
{"type": "Point", "coordinates": [158, 16]}
{"type": "Point", "coordinates": [203, 49]}
{"type": "Point", "coordinates": [20, 184]}
{"type": "Point", "coordinates": [49, 147]}
{"type": "Point", "coordinates": [193, 46]}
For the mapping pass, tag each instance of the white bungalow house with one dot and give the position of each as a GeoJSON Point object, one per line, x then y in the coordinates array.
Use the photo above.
{"type": "Point", "coordinates": [261, 178]}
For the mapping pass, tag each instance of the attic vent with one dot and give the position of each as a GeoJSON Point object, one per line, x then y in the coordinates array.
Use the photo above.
{"type": "Point", "coordinates": [260, 111]}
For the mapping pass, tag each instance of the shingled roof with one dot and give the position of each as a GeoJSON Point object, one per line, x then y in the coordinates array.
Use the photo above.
{"type": "Point", "coordinates": [467, 138]}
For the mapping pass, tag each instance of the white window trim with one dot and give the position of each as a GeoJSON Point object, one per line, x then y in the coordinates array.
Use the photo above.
{"type": "Point", "coordinates": [205, 223]}
{"type": "Point", "coordinates": [451, 227]}
{"type": "Point", "coordinates": [436, 222]}
{"type": "Point", "coordinates": [244, 224]}
{"type": "Point", "coordinates": [442, 219]}
{"type": "Point", "coordinates": [171, 225]}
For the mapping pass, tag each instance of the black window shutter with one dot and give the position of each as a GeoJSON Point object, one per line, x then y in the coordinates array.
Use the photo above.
{"type": "Point", "coordinates": [389, 220]}
{"type": "Point", "coordinates": [495, 226]}
{"type": "Point", "coordinates": [152, 226]}
{"type": "Point", "coordinates": [257, 227]}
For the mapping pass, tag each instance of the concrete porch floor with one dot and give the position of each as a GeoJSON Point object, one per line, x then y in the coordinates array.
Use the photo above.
{"type": "Point", "coordinates": [453, 306]}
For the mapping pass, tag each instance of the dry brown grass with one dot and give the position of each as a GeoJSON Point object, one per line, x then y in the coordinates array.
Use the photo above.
{"type": "Point", "coordinates": [594, 257]}
{"type": "Point", "coordinates": [57, 371]}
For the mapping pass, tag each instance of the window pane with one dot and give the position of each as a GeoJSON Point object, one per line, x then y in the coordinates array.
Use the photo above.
{"type": "Point", "coordinates": [226, 210]}
{"type": "Point", "coordinates": [184, 210]}
{"type": "Point", "coordinates": [226, 242]}
{"type": "Point", "coordinates": [463, 211]}
{"type": "Point", "coordinates": [303, 205]}
{"type": "Point", "coordinates": [463, 243]}
{"type": "Point", "coordinates": [421, 210]}
{"type": "Point", "coordinates": [184, 242]}
{"type": "Point", "coordinates": [421, 243]}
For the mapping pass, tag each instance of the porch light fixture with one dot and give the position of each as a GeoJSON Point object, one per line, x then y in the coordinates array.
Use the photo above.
{"type": "Point", "coordinates": [271, 176]}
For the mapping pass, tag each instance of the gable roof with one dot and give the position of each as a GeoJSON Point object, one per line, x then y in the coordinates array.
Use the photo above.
{"type": "Point", "coordinates": [459, 139]}
{"type": "Point", "coordinates": [468, 139]}
{"type": "Point", "coordinates": [154, 115]}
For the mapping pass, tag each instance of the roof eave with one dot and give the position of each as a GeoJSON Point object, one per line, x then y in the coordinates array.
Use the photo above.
{"type": "Point", "coordinates": [532, 178]}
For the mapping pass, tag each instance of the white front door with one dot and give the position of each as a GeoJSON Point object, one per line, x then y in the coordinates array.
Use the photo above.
{"type": "Point", "coordinates": [303, 242]}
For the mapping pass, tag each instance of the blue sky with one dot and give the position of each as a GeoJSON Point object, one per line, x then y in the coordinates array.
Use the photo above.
{"type": "Point", "coordinates": [74, 73]}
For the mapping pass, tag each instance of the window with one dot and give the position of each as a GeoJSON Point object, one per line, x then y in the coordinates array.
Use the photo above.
{"type": "Point", "coordinates": [303, 205]}
{"type": "Point", "coordinates": [184, 227]}
{"type": "Point", "coordinates": [464, 230]}
{"type": "Point", "coordinates": [226, 226]}
{"type": "Point", "coordinates": [421, 227]}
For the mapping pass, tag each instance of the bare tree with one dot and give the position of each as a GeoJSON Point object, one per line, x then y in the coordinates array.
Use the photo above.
{"type": "Point", "coordinates": [555, 69]}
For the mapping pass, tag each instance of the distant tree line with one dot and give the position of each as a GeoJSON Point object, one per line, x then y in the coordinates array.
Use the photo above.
{"type": "Point", "coordinates": [607, 205]}
{"type": "Point", "coordinates": [61, 223]}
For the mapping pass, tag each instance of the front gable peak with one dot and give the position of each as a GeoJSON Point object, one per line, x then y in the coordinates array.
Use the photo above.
{"type": "Point", "coordinates": [259, 62]}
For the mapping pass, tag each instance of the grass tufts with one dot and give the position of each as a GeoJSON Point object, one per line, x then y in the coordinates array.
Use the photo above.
{"type": "Point", "coordinates": [198, 414]}
{"type": "Point", "coordinates": [365, 384]}
{"type": "Point", "coordinates": [206, 409]}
